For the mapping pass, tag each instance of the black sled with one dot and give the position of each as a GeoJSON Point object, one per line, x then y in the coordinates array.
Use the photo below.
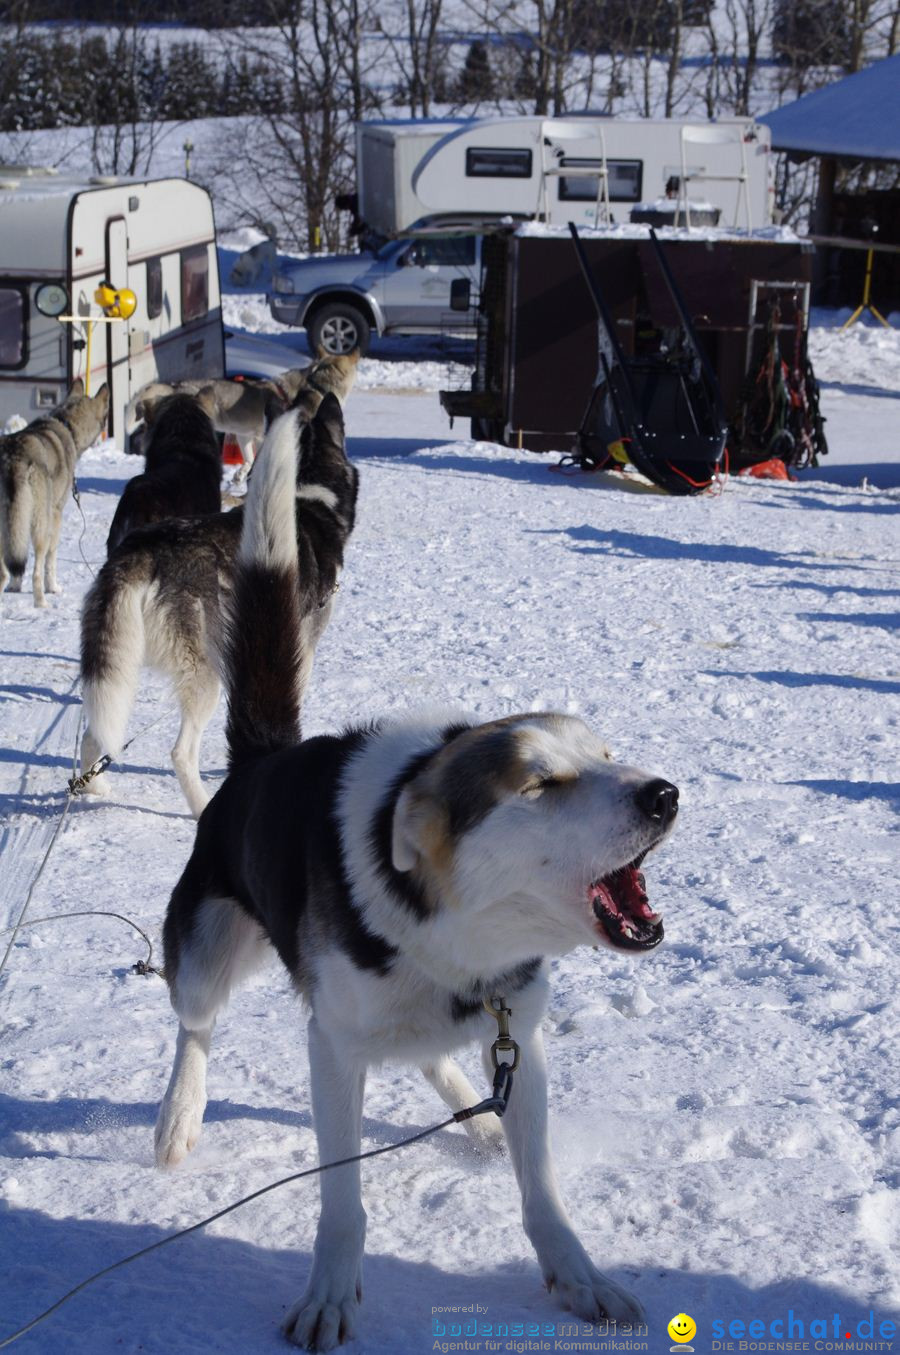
{"type": "Point", "coordinates": [661, 410]}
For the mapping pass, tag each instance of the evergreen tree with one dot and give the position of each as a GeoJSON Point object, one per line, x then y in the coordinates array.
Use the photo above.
{"type": "Point", "coordinates": [475, 80]}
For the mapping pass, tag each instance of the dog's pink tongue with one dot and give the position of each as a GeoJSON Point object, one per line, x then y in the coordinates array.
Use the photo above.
{"type": "Point", "coordinates": [632, 893]}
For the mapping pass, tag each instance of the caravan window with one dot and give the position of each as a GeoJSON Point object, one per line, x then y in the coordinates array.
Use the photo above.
{"type": "Point", "coordinates": [625, 181]}
{"type": "Point", "coordinates": [12, 327]}
{"type": "Point", "coordinates": [194, 283]}
{"type": "Point", "coordinates": [485, 163]}
{"type": "Point", "coordinates": [154, 288]}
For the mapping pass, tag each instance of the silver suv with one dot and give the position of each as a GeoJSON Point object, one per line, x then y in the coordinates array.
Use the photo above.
{"type": "Point", "coordinates": [410, 286]}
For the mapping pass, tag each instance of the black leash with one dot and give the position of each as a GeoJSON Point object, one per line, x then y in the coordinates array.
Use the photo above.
{"type": "Point", "coordinates": [496, 1102]}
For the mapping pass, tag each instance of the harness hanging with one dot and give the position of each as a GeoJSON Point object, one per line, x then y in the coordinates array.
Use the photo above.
{"type": "Point", "coordinates": [779, 416]}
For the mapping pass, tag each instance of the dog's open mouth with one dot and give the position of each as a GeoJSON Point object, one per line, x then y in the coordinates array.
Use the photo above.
{"type": "Point", "coordinates": [621, 907]}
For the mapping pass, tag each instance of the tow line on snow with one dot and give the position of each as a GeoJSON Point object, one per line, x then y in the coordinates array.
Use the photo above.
{"type": "Point", "coordinates": [76, 495]}
{"type": "Point", "coordinates": [75, 786]}
{"type": "Point", "coordinates": [496, 1102]}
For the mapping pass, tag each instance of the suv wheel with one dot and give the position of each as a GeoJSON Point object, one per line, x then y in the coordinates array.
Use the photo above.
{"type": "Point", "coordinates": [338, 328]}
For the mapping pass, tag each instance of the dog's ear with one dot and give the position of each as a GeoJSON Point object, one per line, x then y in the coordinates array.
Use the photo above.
{"type": "Point", "coordinates": [206, 400]}
{"type": "Point", "coordinates": [410, 817]}
{"type": "Point", "coordinates": [77, 387]}
{"type": "Point", "coordinates": [322, 351]}
{"type": "Point", "coordinates": [148, 411]}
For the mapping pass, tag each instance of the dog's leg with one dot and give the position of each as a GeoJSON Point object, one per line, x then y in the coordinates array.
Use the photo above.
{"type": "Point", "coordinates": [180, 1116]}
{"type": "Point", "coordinates": [326, 1314]}
{"type": "Point", "coordinates": [91, 752]}
{"type": "Point", "coordinates": [224, 945]}
{"type": "Point", "coordinates": [248, 456]}
{"type": "Point", "coordinates": [198, 697]}
{"type": "Point", "coordinates": [52, 583]}
{"type": "Point", "coordinates": [457, 1092]}
{"type": "Point", "coordinates": [564, 1262]}
{"type": "Point", "coordinates": [41, 543]}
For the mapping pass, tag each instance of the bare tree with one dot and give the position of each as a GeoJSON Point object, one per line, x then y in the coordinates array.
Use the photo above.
{"type": "Point", "coordinates": [415, 49]}
{"type": "Point", "coordinates": [747, 25]}
{"type": "Point", "coordinates": [298, 150]}
{"type": "Point", "coordinates": [126, 130]}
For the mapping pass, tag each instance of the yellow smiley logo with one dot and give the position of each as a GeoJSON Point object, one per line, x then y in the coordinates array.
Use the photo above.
{"type": "Point", "coordinates": [682, 1328]}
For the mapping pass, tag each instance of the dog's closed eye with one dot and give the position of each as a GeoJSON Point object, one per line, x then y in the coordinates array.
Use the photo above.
{"type": "Point", "coordinates": [541, 783]}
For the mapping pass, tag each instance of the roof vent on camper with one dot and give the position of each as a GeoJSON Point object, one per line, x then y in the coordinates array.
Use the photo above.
{"type": "Point", "coordinates": [101, 180]}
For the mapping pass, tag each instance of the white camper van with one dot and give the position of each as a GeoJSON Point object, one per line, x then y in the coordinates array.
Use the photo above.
{"type": "Point", "coordinates": [588, 169]}
{"type": "Point", "coordinates": [60, 238]}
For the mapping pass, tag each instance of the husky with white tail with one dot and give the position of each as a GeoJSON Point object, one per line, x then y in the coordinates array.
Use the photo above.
{"type": "Point", "coordinates": [158, 600]}
{"type": "Point", "coordinates": [404, 872]}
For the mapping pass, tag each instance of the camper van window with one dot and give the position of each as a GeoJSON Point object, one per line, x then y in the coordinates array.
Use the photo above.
{"type": "Point", "coordinates": [12, 327]}
{"type": "Point", "coordinates": [625, 181]}
{"type": "Point", "coordinates": [194, 283]}
{"type": "Point", "coordinates": [154, 288]}
{"type": "Point", "coordinates": [483, 162]}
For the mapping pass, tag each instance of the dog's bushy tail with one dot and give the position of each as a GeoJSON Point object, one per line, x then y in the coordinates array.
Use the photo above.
{"type": "Point", "coordinates": [112, 652]}
{"type": "Point", "coordinates": [263, 644]}
{"type": "Point", "coordinates": [16, 511]}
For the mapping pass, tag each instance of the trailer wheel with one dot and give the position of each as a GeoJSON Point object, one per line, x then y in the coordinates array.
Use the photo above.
{"type": "Point", "coordinates": [339, 328]}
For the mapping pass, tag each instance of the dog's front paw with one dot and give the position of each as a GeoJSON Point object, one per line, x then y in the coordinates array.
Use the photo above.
{"type": "Point", "coordinates": [323, 1318]}
{"type": "Point", "coordinates": [593, 1296]}
{"type": "Point", "coordinates": [177, 1131]}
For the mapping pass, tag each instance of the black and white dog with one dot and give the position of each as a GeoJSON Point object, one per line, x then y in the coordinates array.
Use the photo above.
{"type": "Point", "coordinates": [182, 469]}
{"type": "Point", "coordinates": [404, 872]}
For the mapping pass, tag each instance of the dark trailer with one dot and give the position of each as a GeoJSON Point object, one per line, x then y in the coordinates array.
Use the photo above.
{"type": "Point", "coordinates": [536, 366]}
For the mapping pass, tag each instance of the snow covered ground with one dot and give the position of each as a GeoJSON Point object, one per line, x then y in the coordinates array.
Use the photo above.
{"type": "Point", "coordinates": [725, 1110]}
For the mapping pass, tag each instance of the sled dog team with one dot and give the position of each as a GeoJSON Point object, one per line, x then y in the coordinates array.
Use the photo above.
{"type": "Point", "coordinates": [405, 871]}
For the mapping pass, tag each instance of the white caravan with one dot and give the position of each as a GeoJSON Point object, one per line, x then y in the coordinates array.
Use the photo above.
{"type": "Point", "coordinates": [588, 169]}
{"type": "Point", "coordinates": [59, 239]}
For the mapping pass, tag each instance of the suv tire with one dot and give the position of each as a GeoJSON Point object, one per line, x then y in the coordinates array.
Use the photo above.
{"type": "Point", "coordinates": [338, 327]}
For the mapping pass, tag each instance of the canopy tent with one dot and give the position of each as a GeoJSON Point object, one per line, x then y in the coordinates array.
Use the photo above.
{"type": "Point", "coordinates": [856, 118]}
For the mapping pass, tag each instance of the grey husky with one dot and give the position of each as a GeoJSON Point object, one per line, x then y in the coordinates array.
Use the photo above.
{"type": "Point", "coordinates": [158, 602]}
{"type": "Point", "coordinates": [246, 408]}
{"type": "Point", "coordinates": [37, 472]}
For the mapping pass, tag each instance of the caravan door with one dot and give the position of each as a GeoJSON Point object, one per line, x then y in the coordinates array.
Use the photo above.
{"type": "Point", "coordinates": [117, 337]}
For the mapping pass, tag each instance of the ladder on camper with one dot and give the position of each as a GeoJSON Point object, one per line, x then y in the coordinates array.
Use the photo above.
{"type": "Point", "coordinates": [556, 164]}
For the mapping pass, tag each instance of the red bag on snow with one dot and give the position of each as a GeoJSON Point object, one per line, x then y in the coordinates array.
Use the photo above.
{"type": "Point", "coordinates": [768, 470]}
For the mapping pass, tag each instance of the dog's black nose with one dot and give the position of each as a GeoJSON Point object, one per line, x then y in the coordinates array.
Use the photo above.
{"type": "Point", "coordinates": [659, 801]}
